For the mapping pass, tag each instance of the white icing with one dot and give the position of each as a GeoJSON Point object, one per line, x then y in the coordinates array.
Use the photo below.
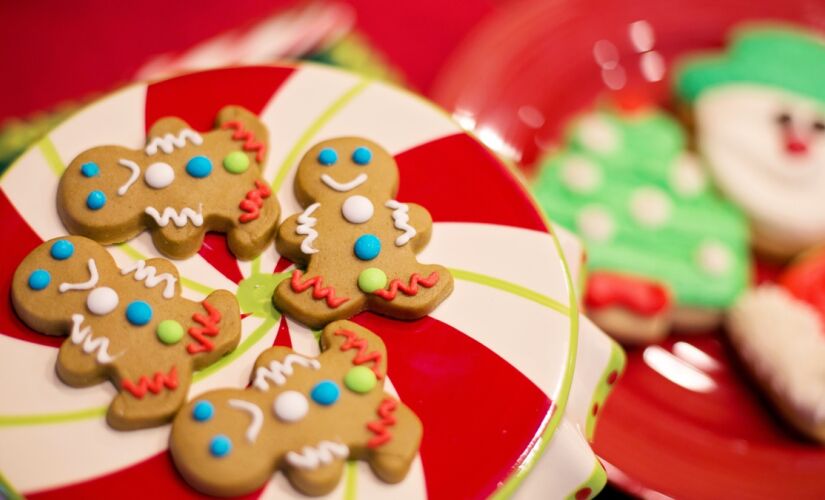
{"type": "Point", "coordinates": [278, 371]}
{"type": "Point", "coordinates": [179, 218]}
{"type": "Point", "coordinates": [782, 339]}
{"type": "Point", "coordinates": [357, 209]}
{"type": "Point", "coordinates": [149, 275]}
{"type": "Point", "coordinates": [255, 414]}
{"type": "Point", "coordinates": [401, 221]}
{"type": "Point", "coordinates": [102, 301]}
{"type": "Point", "coordinates": [132, 178]}
{"type": "Point", "coordinates": [714, 258]}
{"type": "Point", "coordinates": [580, 175]}
{"type": "Point", "coordinates": [169, 142]}
{"type": "Point", "coordinates": [313, 457]}
{"type": "Point", "coordinates": [650, 206]}
{"type": "Point", "coordinates": [86, 285]}
{"type": "Point", "coordinates": [345, 186]}
{"type": "Point", "coordinates": [290, 406]}
{"type": "Point", "coordinates": [597, 134]}
{"type": "Point", "coordinates": [596, 224]}
{"type": "Point", "coordinates": [89, 344]}
{"type": "Point", "coordinates": [687, 178]}
{"type": "Point", "coordinates": [306, 225]}
{"type": "Point", "coordinates": [159, 175]}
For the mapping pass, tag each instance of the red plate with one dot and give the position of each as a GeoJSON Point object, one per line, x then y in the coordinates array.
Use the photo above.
{"type": "Point", "coordinates": [684, 421]}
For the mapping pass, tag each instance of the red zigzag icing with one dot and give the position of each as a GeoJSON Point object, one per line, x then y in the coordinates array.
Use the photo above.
{"type": "Point", "coordinates": [155, 384]}
{"type": "Point", "coordinates": [409, 290]}
{"type": "Point", "coordinates": [318, 290]}
{"type": "Point", "coordinates": [241, 134]}
{"type": "Point", "coordinates": [379, 427]}
{"type": "Point", "coordinates": [254, 201]}
{"type": "Point", "coordinates": [210, 328]}
{"type": "Point", "coordinates": [355, 342]}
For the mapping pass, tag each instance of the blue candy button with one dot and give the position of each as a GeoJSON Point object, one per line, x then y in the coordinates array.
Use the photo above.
{"type": "Point", "coordinates": [367, 247]}
{"type": "Point", "coordinates": [90, 169]}
{"type": "Point", "coordinates": [199, 167]}
{"type": "Point", "coordinates": [362, 156]}
{"type": "Point", "coordinates": [325, 392]}
{"type": "Point", "coordinates": [220, 446]}
{"type": "Point", "coordinates": [203, 411]}
{"type": "Point", "coordinates": [39, 279]}
{"type": "Point", "coordinates": [138, 313]}
{"type": "Point", "coordinates": [62, 249]}
{"type": "Point", "coordinates": [327, 157]}
{"type": "Point", "coordinates": [96, 200]}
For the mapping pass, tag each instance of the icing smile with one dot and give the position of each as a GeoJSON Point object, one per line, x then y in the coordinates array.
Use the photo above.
{"type": "Point", "coordinates": [347, 186]}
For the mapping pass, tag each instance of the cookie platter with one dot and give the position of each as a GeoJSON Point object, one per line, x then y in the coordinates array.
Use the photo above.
{"type": "Point", "coordinates": [506, 364]}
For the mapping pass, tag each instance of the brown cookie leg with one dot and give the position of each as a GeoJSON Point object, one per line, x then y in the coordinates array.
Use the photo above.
{"type": "Point", "coordinates": [149, 399]}
{"type": "Point", "coordinates": [317, 481]}
{"type": "Point", "coordinates": [391, 460]}
{"type": "Point", "coordinates": [178, 242]}
{"type": "Point", "coordinates": [415, 295]}
{"type": "Point", "coordinates": [312, 300]}
{"type": "Point", "coordinates": [76, 368]}
{"type": "Point", "coordinates": [248, 239]}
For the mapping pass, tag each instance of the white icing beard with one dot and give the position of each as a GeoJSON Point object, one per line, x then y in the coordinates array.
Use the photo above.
{"type": "Point", "coordinates": [740, 138]}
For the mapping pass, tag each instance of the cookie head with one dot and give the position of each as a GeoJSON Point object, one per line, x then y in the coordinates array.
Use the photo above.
{"type": "Point", "coordinates": [344, 167]}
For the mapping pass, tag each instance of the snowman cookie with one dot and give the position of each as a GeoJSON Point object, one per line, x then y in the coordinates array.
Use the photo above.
{"type": "Point", "coordinates": [357, 242]}
{"type": "Point", "coordinates": [128, 325]}
{"type": "Point", "coordinates": [759, 112]}
{"type": "Point", "coordinates": [179, 186]}
{"type": "Point", "coordinates": [303, 415]}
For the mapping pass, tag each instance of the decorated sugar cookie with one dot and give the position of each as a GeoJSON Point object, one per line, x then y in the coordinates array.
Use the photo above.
{"type": "Point", "coordinates": [128, 325]}
{"type": "Point", "coordinates": [305, 416]}
{"type": "Point", "coordinates": [179, 186]}
{"type": "Point", "coordinates": [663, 248]}
{"type": "Point", "coordinates": [759, 110]}
{"type": "Point", "coordinates": [357, 242]}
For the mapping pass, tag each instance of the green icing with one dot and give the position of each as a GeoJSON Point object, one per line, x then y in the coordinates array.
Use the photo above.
{"type": "Point", "coordinates": [789, 59]}
{"type": "Point", "coordinates": [625, 158]}
{"type": "Point", "coordinates": [255, 294]}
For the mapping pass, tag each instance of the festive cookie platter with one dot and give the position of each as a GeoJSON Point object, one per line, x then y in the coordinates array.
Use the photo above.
{"type": "Point", "coordinates": [488, 349]}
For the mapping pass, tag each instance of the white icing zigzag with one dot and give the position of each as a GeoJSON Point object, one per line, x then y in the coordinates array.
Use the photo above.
{"type": "Point", "coordinates": [254, 412]}
{"type": "Point", "coordinates": [149, 275]}
{"type": "Point", "coordinates": [169, 142]}
{"type": "Point", "coordinates": [401, 219]}
{"type": "Point", "coordinates": [132, 178]}
{"type": "Point", "coordinates": [323, 454]}
{"type": "Point", "coordinates": [305, 228]}
{"type": "Point", "coordinates": [90, 345]}
{"type": "Point", "coordinates": [86, 285]}
{"type": "Point", "coordinates": [179, 218]}
{"type": "Point", "coordinates": [278, 371]}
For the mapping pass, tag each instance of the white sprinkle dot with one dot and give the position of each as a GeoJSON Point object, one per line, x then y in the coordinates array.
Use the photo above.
{"type": "Point", "coordinates": [650, 206]}
{"type": "Point", "coordinates": [714, 258]}
{"type": "Point", "coordinates": [596, 224]}
{"type": "Point", "coordinates": [580, 175]}
{"type": "Point", "coordinates": [597, 134]}
{"type": "Point", "coordinates": [686, 176]}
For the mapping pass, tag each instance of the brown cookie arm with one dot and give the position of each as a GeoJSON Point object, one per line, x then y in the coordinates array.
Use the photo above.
{"type": "Point", "coordinates": [246, 128]}
{"type": "Point", "coordinates": [355, 343]}
{"type": "Point", "coordinates": [215, 328]}
{"type": "Point", "coordinates": [288, 242]}
{"type": "Point", "coordinates": [413, 224]}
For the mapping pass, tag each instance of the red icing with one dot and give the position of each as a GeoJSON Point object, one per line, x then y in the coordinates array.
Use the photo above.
{"type": "Point", "coordinates": [254, 201]}
{"type": "Point", "coordinates": [355, 342]}
{"type": "Point", "coordinates": [411, 289]}
{"type": "Point", "coordinates": [805, 280]}
{"type": "Point", "coordinates": [643, 297]}
{"type": "Point", "coordinates": [209, 328]}
{"type": "Point", "coordinates": [379, 427]}
{"type": "Point", "coordinates": [319, 291]}
{"type": "Point", "coordinates": [250, 144]}
{"type": "Point", "coordinates": [155, 384]}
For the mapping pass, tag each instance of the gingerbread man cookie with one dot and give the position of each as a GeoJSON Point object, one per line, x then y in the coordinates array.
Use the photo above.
{"type": "Point", "coordinates": [305, 416]}
{"type": "Point", "coordinates": [129, 325]}
{"type": "Point", "coordinates": [357, 242]}
{"type": "Point", "coordinates": [181, 185]}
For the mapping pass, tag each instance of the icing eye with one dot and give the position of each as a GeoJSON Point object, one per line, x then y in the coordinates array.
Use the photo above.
{"type": "Point", "coordinates": [220, 446]}
{"type": "Point", "coordinates": [169, 331]}
{"type": "Point", "coordinates": [360, 379]}
{"type": "Point", "coordinates": [138, 313]}
{"type": "Point", "coordinates": [159, 175]}
{"type": "Point", "coordinates": [372, 279]}
{"type": "Point", "coordinates": [96, 200]}
{"type": "Point", "coordinates": [90, 169]}
{"type": "Point", "coordinates": [203, 411]}
{"type": "Point", "coordinates": [236, 162]}
{"type": "Point", "coordinates": [62, 249]}
{"type": "Point", "coordinates": [325, 392]}
{"type": "Point", "coordinates": [290, 406]}
{"type": "Point", "coordinates": [367, 247]}
{"type": "Point", "coordinates": [102, 301]}
{"type": "Point", "coordinates": [39, 279]}
{"type": "Point", "coordinates": [327, 157]}
{"type": "Point", "coordinates": [783, 118]}
{"type": "Point", "coordinates": [199, 167]}
{"type": "Point", "coordinates": [362, 156]}
{"type": "Point", "coordinates": [819, 126]}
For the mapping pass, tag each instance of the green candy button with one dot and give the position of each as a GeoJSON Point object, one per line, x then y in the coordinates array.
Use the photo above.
{"type": "Point", "coordinates": [372, 279]}
{"type": "Point", "coordinates": [236, 162]}
{"type": "Point", "coordinates": [360, 379]}
{"type": "Point", "coordinates": [169, 331]}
